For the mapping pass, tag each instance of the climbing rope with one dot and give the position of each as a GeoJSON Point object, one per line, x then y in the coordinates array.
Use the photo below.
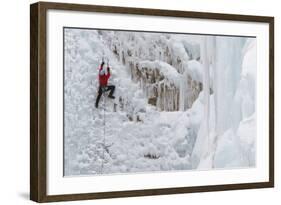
{"type": "Point", "coordinates": [103, 150]}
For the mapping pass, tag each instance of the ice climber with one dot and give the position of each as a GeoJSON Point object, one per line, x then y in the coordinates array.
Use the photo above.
{"type": "Point", "coordinates": [104, 75]}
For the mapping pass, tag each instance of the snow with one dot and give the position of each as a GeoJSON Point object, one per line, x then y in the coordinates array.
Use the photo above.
{"type": "Point", "coordinates": [165, 69]}
{"type": "Point", "coordinates": [228, 153]}
{"type": "Point", "coordinates": [182, 102]}
{"type": "Point", "coordinates": [195, 69]}
{"type": "Point", "coordinates": [246, 129]}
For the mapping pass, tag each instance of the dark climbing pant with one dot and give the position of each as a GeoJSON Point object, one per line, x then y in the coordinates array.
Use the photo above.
{"type": "Point", "coordinates": [103, 89]}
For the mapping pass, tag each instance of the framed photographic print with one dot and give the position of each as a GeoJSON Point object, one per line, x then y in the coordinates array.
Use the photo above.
{"type": "Point", "coordinates": [134, 102]}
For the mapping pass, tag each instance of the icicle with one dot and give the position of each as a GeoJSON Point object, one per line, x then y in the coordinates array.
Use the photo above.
{"type": "Point", "coordinates": [164, 94]}
{"type": "Point", "coordinates": [201, 147]}
{"type": "Point", "coordinates": [182, 93]}
{"type": "Point", "coordinates": [120, 50]}
{"type": "Point", "coordinates": [215, 82]}
{"type": "Point", "coordinates": [206, 88]}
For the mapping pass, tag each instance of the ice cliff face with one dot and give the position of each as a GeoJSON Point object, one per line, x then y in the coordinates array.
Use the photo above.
{"type": "Point", "coordinates": [164, 65]}
{"type": "Point", "coordinates": [182, 102]}
{"type": "Point", "coordinates": [128, 134]}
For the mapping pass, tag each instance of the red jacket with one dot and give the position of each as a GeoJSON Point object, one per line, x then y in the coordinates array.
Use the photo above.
{"type": "Point", "coordinates": [103, 78]}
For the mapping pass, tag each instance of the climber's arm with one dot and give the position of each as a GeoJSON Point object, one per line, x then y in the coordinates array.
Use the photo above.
{"type": "Point", "coordinates": [108, 72]}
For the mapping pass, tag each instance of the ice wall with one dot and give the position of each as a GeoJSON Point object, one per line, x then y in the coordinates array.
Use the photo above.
{"type": "Point", "coordinates": [210, 80]}
{"type": "Point", "coordinates": [231, 114]}
{"type": "Point", "coordinates": [180, 52]}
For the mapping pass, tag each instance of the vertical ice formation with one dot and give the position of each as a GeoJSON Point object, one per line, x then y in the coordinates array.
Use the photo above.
{"type": "Point", "coordinates": [201, 149]}
{"type": "Point", "coordinates": [232, 113]}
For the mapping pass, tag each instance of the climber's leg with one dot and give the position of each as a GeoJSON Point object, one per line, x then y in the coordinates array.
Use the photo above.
{"type": "Point", "coordinates": [111, 88]}
{"type": "Point", "coordinates": [98, 97]}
